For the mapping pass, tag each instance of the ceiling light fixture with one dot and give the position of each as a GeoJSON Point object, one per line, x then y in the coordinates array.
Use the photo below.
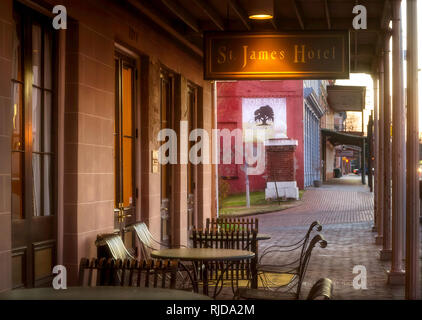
{"type": "Point", "coordinates": [260, 9]}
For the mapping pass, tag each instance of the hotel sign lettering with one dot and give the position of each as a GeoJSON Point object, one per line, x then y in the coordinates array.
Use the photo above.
{"type": "Point", "coordinates": [284, 55]}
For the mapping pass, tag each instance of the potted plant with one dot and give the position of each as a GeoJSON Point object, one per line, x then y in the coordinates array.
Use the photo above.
{"type": "Point", "coordinates": [317, 183]}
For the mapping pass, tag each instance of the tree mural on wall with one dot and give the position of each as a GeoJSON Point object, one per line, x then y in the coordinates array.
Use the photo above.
{"type": "Point", "coordinates": [263, 115]}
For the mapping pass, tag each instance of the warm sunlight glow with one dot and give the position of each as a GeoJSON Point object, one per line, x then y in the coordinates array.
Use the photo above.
{"type": "Point", "coordinates": [361, 79]}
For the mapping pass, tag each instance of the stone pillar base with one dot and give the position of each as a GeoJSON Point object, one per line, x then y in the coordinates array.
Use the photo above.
{"type": "Point", "coordinates": [396, 277]}
{"type": "Point", "coordinates": [285, 189]}
{"type": "Point", "coordinates": [378, 240]}
{"type": "Point", "coordinates": [385, 255]}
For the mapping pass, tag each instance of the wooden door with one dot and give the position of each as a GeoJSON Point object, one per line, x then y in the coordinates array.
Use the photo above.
{"type": "Point", "coordinates": [166, 107]}
{"type": "Point", "coordinates": [192, 169]}
{"type": "Point", "coordinates": [125, 134]}
{"type": "Point", "coordinates": [33, 162]}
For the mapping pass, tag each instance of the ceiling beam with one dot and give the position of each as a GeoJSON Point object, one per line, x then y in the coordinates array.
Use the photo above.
{"type": "Point", "coordinates": [211, 13]}
{"type": "Point", "coordinates": [356, 57]}
{"type": "Point", "coordinates": [241, 13]}
{"type": "Point", "coordinates": [276, 14]}
{"type": "Point", "coordinates": [182, 14]}
{"type": "Point", "coordinates": [386, 15]}
{"type": "Point", "coordinates": [327, 14]}
{"type": "Point", "coordinates": [336, 24]}
{"type": "Point", "coordinates": [158, 19]}
{"type": "Point", "coordinates": [384, 26]}
{"type": "Point", "coordinates": [299, 13]}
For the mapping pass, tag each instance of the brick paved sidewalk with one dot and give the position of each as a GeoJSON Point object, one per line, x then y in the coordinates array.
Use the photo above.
{"type": "Point", "coordinates": [342, 200]}
{"type": "Point", "coordinates": [345, 209]}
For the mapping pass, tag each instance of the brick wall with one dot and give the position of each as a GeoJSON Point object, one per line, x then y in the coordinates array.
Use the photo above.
{"type": "Point", "coordinates": [94, 28]}
{"type": "Point", "coordinates": [280, 163]}
{"type": "Point", "coordinates": [89, 159]}
{"type": "Point", "coordinates": [229, 102]}
{"type": "Point", "coordinates": [5, 143]}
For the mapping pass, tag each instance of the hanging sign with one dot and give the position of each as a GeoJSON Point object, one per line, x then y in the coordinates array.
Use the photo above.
{"type": "Point", "coordinates": [282, 55]}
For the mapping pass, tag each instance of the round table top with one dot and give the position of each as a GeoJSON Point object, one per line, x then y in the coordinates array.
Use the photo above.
{"type": "Point", "coordinates": [203, 254]}
{"type": "Point", "coordinates": [259, 236]}
{"type": "Point", "coordinates": [101, 293]}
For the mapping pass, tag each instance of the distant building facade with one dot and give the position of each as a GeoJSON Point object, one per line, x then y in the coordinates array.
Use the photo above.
{"type": "Point", "coordinates": [293, 153]}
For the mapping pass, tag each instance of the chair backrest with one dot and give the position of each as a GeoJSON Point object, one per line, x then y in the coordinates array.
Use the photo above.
{"type": "Point", "coordinates": [323, 288]}
{"type": "Point", "coordinates": [115, 246]}
{"type": "Point", "coordinates": [133, 273]}
{"type": "Point", "coordinates": [306, 257]}
{"type": "Point", "coordinates": [239, 240]}
{"type": "Point", "coordinates": [145, 237]}
{"type": "Point", "coordinates": [314, 225]}
{"type": "Point", "coordinates": [232, 224]}
{"type": "Point", "coordinates": [301, 245]}
{"type": "Point", "coordinates": [212, 238]}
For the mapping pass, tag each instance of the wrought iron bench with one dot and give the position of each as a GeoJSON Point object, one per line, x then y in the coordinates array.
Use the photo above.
{"type": "Point", "coordinates": [244, 271]}
{"type": "Point", "coordinates": [232, 224]}
{"type": "Point", "coordinates": [143, 273]}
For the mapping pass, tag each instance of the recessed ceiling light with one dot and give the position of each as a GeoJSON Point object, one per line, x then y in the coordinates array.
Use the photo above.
{"type": "Point", "coordinates": [260, 9]}
{"type": "Point", "coordinates": [260, 16]}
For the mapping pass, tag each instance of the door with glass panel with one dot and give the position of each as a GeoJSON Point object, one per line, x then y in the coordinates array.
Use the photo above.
{"type": "Point", "coordinates": [33, 181]}
{"type": "Point", "coordinates": [124, 148]}
{"type": "Point", "coordinates": [166, 104]}
{"type": "Point", "coordinates": [192, 169]}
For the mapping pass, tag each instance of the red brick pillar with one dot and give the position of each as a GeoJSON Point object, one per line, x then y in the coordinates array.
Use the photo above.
{"type": "Point", "coordinates": [280, 167]}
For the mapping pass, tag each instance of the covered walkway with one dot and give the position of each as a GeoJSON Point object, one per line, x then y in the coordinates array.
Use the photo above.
{"type": "Point", "coordinates": [345, 209]}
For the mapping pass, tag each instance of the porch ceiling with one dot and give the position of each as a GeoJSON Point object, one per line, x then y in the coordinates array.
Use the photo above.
{"type": "Point", "coordinates": [346, 98]}
{"type": "Point", "coordinates": [186, 20]}
{"type": "Point", "coordinates": [339, 138]}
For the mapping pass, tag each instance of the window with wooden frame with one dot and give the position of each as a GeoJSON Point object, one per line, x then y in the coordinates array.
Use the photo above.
{"type": "Point", "coordinates": [33, 128]}
{"type": "Point", "coordinates": [33, 151]}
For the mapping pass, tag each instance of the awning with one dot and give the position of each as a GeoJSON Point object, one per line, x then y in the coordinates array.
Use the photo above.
{"type": "Point", "coordinates": [346, 98]}
{"type": "Point", "coordinates": [187, 20]}
{"type": "Point", "coordinates": [338, 138]}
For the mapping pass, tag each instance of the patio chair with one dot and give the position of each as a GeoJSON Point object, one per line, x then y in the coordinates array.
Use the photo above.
{"type": "Point", "coordinates": [232, 224]}
{"type": "Point", "coordinates": [133, 273]}
{"type": "Point", "coordinates": [148, 243]}
{"type": "Point", "coordinates": [323, 288]}
{"type": "Point", "coordinates": [110, 245]}
{"type": "Point", "coordinates": [289, 248]}
{"type": "Point", "coordinates": [291, 289]}
{"type": "Point", "coordinates": [240, 240]}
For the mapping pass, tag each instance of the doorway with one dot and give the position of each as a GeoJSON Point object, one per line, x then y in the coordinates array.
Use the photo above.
{"type": "Point", "coordinates": [34, 147]}
{"type": "Point", "coordinates": [167, 82]}
{"type": "Point", "coordinates": [192, 217]}
{"type": "Point", "coordinates": [125, 135]}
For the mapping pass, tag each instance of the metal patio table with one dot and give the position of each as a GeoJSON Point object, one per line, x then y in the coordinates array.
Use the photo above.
{"type": "Point", "coordinates": [259, 237]}
{"type": "Point", "coordinates": [204, 255]}
{"type": "Point", "coordinates": [101, 293]}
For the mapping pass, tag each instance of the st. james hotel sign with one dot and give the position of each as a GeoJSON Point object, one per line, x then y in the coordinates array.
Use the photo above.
{"type": "Point", "coordinates": [283, 55]}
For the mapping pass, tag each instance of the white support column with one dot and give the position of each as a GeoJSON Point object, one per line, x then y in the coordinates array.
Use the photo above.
{"type": "Point", "coordinates": [396, 274]}
{"type": "Point", "coordinates": [385, 253]}
{"type": "Point", "coordinates": [412, 288]}
{"type": "Point", "coordinates": [375, 151]}
{"type": "Point", "coordinates": [380, 160]}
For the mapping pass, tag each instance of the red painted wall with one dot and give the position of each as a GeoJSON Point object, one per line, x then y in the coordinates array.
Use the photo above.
{"type": "Point", "coordinates": [229, 115]}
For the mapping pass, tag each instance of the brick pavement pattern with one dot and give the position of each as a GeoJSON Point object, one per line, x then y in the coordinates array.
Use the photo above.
{"type": "Point", "coordinates": [344, 207]}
